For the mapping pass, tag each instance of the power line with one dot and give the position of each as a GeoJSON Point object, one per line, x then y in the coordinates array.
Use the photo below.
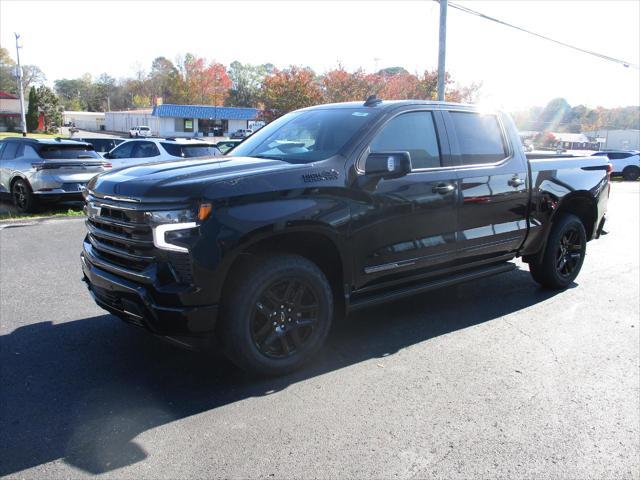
{"type": "Point", "coordinates": [583, 50]}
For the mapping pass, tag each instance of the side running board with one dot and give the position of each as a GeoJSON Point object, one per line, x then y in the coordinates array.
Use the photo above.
{"type": "Point", "coordinates": [394, 294]}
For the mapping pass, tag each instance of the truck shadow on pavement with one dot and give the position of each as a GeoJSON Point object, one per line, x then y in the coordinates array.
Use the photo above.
{"type": "Point", "coordinates": [81, 391]}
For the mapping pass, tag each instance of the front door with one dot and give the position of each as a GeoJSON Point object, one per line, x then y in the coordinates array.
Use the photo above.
{"type": "Point", "coordinates": [405, 227]}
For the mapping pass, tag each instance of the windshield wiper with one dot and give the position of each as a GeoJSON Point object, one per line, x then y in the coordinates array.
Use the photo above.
{"type": "Point", "coordinates": [269, 157]}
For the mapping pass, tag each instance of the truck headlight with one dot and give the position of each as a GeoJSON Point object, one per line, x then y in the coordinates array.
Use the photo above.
{"type": "Point", "coordinates": [171, 226]}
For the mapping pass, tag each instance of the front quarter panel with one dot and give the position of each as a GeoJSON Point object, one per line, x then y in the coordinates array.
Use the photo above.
{"type": "Point", "coordinates": [248, 210]}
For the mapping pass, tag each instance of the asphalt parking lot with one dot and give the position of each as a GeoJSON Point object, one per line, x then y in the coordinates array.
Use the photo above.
{"type": "Point", "coordinates": [496, 378]}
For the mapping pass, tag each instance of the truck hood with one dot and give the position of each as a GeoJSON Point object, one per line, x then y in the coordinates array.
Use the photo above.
{"type": "Point", "coordinates": [177, 181]}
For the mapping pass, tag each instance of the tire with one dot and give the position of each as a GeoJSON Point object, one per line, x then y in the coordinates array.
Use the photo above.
{"type": "Point", "coordinates": [277, 315]}
{"type": "Point", "coordinates": [22, 196]}
{"type": "Point", "coordinates": [563, 255]}
{"type": "Point", "coordinates": [631, 173]}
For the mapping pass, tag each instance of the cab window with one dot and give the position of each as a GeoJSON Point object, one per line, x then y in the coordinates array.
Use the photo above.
{"type": "Point", "coordinates": [480, 138]}
{"type": "Point", "coordinates": [412, 132]}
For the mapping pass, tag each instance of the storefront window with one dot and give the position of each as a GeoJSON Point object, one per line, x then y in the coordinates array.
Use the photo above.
{"type": "Point", "coordinates": [188, 125]}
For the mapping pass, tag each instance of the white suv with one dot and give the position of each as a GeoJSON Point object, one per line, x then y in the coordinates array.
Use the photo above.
{"type": "Point", "coordinates": [625, 162]}
{"type": "Point", "coordinates": [134, 152]}
{"type": "Point", "coordinates": [140, 131]}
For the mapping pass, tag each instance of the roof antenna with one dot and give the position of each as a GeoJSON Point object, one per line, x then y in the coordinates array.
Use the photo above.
{"type": "Point", "coordinates": [372, 101]}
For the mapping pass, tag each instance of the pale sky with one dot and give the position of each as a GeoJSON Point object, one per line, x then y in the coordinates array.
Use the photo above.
{"type": "Point", "coordinates": [68, 39]}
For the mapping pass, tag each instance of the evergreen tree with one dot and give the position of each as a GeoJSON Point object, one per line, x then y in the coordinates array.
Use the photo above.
{"type": "Point", "coordinates": [32, 111]}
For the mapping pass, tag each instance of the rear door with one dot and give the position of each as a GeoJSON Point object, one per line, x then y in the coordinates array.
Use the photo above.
{"type": "Point", "coordinates": [405, 227]}
{"type": "Point", "coordinates": [493, 177]}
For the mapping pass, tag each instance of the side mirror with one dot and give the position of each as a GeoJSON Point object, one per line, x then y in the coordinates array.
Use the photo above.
{"type": "Point", "coordinates": [388, 164]}
{"type": "Point", "coordinates": [106, 155]}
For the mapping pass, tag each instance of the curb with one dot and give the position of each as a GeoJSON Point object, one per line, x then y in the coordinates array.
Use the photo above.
{"type": "Point", "coordinates": [28, 222]}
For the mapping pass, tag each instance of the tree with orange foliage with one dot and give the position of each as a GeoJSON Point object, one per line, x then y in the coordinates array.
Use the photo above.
{"type": "Point", "coordinates": [206, 84]}
{"type": "Point", "coordinates": [342, 86]}
{"type": "Point", "coordinates": [289, 89]}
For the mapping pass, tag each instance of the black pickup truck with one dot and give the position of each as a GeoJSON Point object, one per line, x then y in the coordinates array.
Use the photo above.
{"type": "Point", "coordinates": [330, 209]}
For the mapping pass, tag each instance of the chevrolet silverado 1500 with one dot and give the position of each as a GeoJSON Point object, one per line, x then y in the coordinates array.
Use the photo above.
{"type": "Point", "coordinates": [330, 209]}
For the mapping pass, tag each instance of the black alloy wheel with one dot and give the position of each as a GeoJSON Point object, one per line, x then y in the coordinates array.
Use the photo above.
{"type": "Point", "coordinates": [22, 196]}
{"type": "Point", "coordinates": [569, 253]}
{"type": "Point", "coordinates": [284, 318]}
{"type": "Point", "coordinates": [276, 313]}
{"type": "Point", "coordinates": [560, 262]}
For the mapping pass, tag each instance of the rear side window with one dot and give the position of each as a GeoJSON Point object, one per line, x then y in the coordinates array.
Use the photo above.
{"type": "Point", "coordinates": [480, 138]}
{"type": "Point", "coordinates": [618, 155]}
{"type": "Point", "coordinates": [65, 152]}
{"type": "Point", "coordinates": [9, 151]}
{"type": "Point", "coordinates": [145, 150]}
{"type": "Point", "coordinates": [412, 132]}
{"type": "Point", "coordinates": [190, 151]}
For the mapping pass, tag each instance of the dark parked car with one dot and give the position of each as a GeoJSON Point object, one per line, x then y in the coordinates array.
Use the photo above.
{"type": "Point", "coordinates": [327, 210]}
{"type": "Point", "coordinates": [101, 145]}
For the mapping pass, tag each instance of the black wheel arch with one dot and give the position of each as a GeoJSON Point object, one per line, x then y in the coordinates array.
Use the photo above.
{"type": "Point", "coordinates": [579, 203]}
{"type": "Point", "coordinates": [316, 245]}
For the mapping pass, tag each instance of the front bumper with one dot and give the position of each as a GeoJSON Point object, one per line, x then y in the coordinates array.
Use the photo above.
{"type": "Point", "coordinates": [134, 304]}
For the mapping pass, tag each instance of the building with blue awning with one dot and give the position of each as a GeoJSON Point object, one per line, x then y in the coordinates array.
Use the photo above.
{"type": "Point", "coordinates": [168, 120]}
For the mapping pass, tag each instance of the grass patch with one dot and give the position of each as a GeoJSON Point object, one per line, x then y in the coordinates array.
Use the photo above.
{"type": "Point", "coordinates": [31, 135]}
{"type": "Point", "coordinates": [70, 212]}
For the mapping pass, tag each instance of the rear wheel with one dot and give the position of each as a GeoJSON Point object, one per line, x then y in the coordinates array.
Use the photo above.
{"type": "Point", "coordinates": [631, 173]}
{"type": "Point", "coordinates": [277, 316]}
{"type": "Point", "coordinates": [23, 198]}
{"type": "Point", "coordinates": [564, 254]}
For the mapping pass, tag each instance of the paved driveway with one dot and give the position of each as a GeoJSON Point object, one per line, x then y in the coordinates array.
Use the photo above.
{"type": "Point", "coordinates": [491, 379]}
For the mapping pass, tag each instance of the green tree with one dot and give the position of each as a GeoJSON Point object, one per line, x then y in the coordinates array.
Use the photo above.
{"type": "Point", "coordinates": [7, 72]}
{"type": "Point", "coordinates": [246, 81]}
{"type": "Point", "coordinates": [50, 106]}
{"type": "Point", "coordinates": [32, 111]}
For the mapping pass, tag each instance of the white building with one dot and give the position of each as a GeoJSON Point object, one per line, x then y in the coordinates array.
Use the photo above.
{"type": "Point", "coordinates": [617, 139]}
{"type": "Point", "coordinates": [84, 120]}
{"type": "Point", "coordinates": [169, 120]}
{"type": "Point", "coordinates": [123, 121]}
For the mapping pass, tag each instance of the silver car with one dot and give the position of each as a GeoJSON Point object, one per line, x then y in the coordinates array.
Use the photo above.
{"type": "Point", "coordinates": [35, 171]}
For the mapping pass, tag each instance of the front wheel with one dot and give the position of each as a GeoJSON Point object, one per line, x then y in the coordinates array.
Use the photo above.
{"type": "Point", "coordinates": [277, 315]}
{"type": "Point", "coordinates": [563, 255]}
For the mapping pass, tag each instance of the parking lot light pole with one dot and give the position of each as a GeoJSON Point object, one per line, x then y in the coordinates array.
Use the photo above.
{"type": "Point", "coordinates": [442, 47]}
{"type": "Point", "coordinates": [19, 75]}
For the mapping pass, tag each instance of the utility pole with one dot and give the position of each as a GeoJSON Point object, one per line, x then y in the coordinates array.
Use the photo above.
{"type": "Point", "coordinates": [19, 75]}
{"type": "Point", "coordinates": [442, 48]}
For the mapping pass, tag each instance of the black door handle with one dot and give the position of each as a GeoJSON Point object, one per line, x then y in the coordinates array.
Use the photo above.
{"type": "Point", "coordinates": [515, 181]}
{"type": "Point", "coordinates": [443, 188]}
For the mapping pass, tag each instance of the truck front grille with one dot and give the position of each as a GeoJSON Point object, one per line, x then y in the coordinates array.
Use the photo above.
{"type": "Point", "coordinates": [122, 238]}
{"type": "Point", "coordinates": [120, 235]}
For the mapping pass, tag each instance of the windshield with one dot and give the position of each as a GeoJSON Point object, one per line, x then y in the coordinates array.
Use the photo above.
{"type": "Point", "coordinates": [65, 152]}
{"type": "Point", "coordinates": [306, 136]}
{"type": "Point", "coordinates": [189, 151]}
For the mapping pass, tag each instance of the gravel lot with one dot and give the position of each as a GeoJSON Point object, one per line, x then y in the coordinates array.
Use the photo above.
{"type": "Point", "coordinates": [491, 379]}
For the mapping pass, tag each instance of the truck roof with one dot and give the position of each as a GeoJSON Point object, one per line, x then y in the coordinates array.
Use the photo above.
{"type": "Point", "coordinates": [388, 104]}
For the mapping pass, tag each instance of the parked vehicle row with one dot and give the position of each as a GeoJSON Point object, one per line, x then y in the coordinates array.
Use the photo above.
{"type": "Point", "coordinates": [327, 210]}
{"type": "Point", "coordinates": [28, 190]}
